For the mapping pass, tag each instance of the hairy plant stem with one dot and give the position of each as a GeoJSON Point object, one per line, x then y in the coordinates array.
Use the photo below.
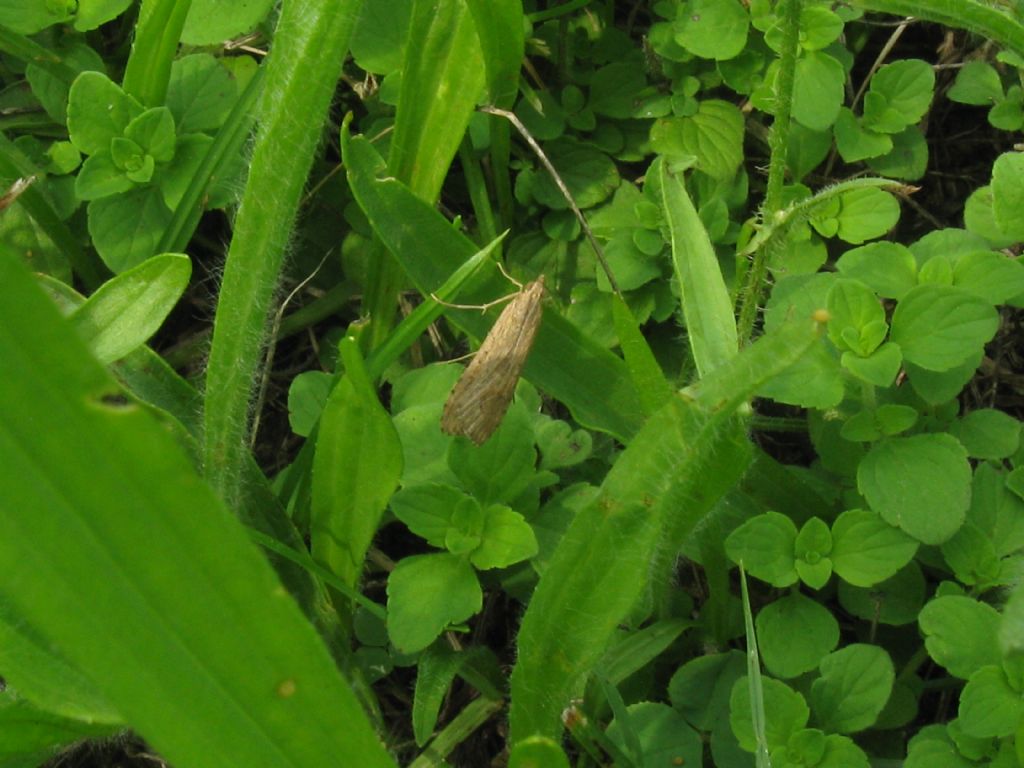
{"type": "Point", "coordinates": [778, 141]}
{"type": "Point", "coordinates": [309, 45]}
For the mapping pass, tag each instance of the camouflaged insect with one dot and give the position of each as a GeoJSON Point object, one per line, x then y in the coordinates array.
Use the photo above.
{"type": "Point", "coordinates": [484, 392]}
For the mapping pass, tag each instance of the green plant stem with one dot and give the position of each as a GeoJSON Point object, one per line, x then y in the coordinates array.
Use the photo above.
{"type": "Point", "coordinates": [31, 52]}
{"type": "Point", "coordinates": [778, 141]}
{"type": "Point", "coordinates": [477, 191]}
{"type": "Point", "coordinates": [309, 46]}
{"type": "Point", "coordinates": [156, 44]}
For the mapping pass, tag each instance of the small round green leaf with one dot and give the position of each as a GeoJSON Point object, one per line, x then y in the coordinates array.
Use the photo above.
{"type": "Point", "coordinates": [426, 593]}
{"type": "Point", "coordinates": [785, 713]}
{"type": "Point", "coordinates": [818, 92]}
{"type": "Point", "coordinates": [939, 327]}
{"type": "Point", "coordinates": [990, 707]}
{"type": "Point", "coordinates": [764, 546]}
{"type": "Point", "coordinates": [794, 634]}
{"type": "Point", "coordinates": [712, 29]}
{"type": "Point", "coordinates": [854, 685]}
{"type": "Point", "coordinates": [988, 434]}
{"type": "Point", "coordinates": [889, 269]}
{"type": "Point", "coordinates": [506, 539]}
{"type": "Point", "coordinates": [895, 601]}
{"type": "Point", "coordinates": [961, 634]}
{"type": "Point", "coordinates": [866, 549]}
{"type": "Point", "coordinates": [922, 484]}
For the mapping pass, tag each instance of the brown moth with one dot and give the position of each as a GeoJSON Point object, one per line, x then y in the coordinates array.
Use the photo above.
{"type": "Point", "coordinates": [484, 392]}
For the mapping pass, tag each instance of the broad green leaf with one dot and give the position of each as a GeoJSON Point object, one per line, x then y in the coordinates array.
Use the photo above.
{"type": "Point", "coordinates": [126, 228]}
{"type": "Point", "coordinates": [895, 601]}
{"type": "Point", "coordinates": [640, 647]}
{"type": "Point", "coordinates": [812, 548]}
{"type": "Point", "coordinates": [426, 593]}
{"type": "Point", "coordinates": [961, 634]}
{"type": "Point", "coordinates": [785, 710]}
{"type": "Point", "coordinates": [307, 396]}
{"type": "Point", "coordinates": [613, 88]}
{"type": "Point", "coordinates": [670, 474]}
{"type": "Point", "coordinates": [879, 368]}
{"type": "Point", "coordinates": [700, 688]}
{"type": "Point", "coordinates": [712, 29]}
{"type": "Point", "coordinates": [899, 95]}
{"type": "Point", "coordinates": [427, 509]}
{"type": "Point", "coordinates": [91, 14]}
{"type": "Point", "coordinates": [46, 679]}
{"type": "Point", "coordinates": [564, 363]}
{"type": "Point", "coordinates": [98, 111]}
{"type": "Point", "coordinates": [590, 175]}
{"type": "Point", "coordinates": [562, 446]}
{"type": "Point", "coordinates": [664, 736]}
{"type": "Point", "coordinates": [794, 633]}
{"type": "Point", "coordinates": [854, 685]}
{"type": "Point", "coordinates": [101, 177]}
{"type": "Point", "coordinates": [29, 18]}
{"type": "Point", "coordinates": [887, 268]}
{"type": "Point", "coordinates": [209, 22]}
{"type": "Point", "coordinates": [31, 737]}
{"type": "Point", "coordinates": [819, 27]}
{"type": "Point", "coordinates": [380, 33]}
{"type": "Point", "coordinates": [988, 434]}
{"type": "Point", "coordinates": [866, 549]}
{"type": "Point", "coordinates": [501, 468]}
{"type": "Point", "coordinates": [764, 546]}
{"type": "Point", "coordinates": [932, 746]}
{"type": "Point", "coordinates": [834, 751]}
{"type": "Point", "coordinates": [499, 24]}
{"type": "Point", "coordinates": [989, 275]}
{"type": "Point", "coordinates": [908, 158]}
{"type": "Point", "coordinates": [153, 131]}
{"type": "Point", "coordinates": [972, 556]}
{"type": "Point", "coordinates": [714, 136]}
{"type": "Point", "coordinates": [815, 381]}
{"type": "Point", "coordinates": [356, 468]}
{"type": "Point", "coordinates": [650, 382]}
{"type": "Point", "coordinates": [937, 387]}
{"type": "Point", "coordinates": [997, 509]}
{"type": "Point", "coordinates": [865, 214]}
{"type": "Point", "coordinates": [710, 324]}
{"type": "Point", "coordinates": [129, 308]}
{"type": "Point", "coordinates": [818, 91]}
{"type": "Point", "coordinates": [435, 671]}
{"type": "Point", "coordinates": [200, 93]}
{"type": "Point", "coordinates": [980, 219]}
{"type": "Point", "coordinates": [990, 706]}
{"type": "Point", "coordinates": [922, 484]}
{"type": "Point", "coordinates": [506, 539]}
{"type": "Point", "coordinates": [114, 550]}
{"type": "Point", "coordinates": [940, 327]}
{"type": "Point", "coordinates": [442, 56]}
{"type": "Point", "coordinates": [1007, 199]}
{"type": "Point", "coordinates": [854, 142]}
{"type": "Point", "coordinates": [856, 318]}
{"type": "Point", "coordinates": [977, 83]}
{"type": "Point", "coordinates": [537, 752]}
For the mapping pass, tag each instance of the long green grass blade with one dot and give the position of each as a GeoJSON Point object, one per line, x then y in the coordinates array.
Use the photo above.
{"type": "Point", "coordinates": [710, 324]}
{"type": "Point", "coordinates": [121, 558]}
{"type": "Point", "coordinates": [650, 500]}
